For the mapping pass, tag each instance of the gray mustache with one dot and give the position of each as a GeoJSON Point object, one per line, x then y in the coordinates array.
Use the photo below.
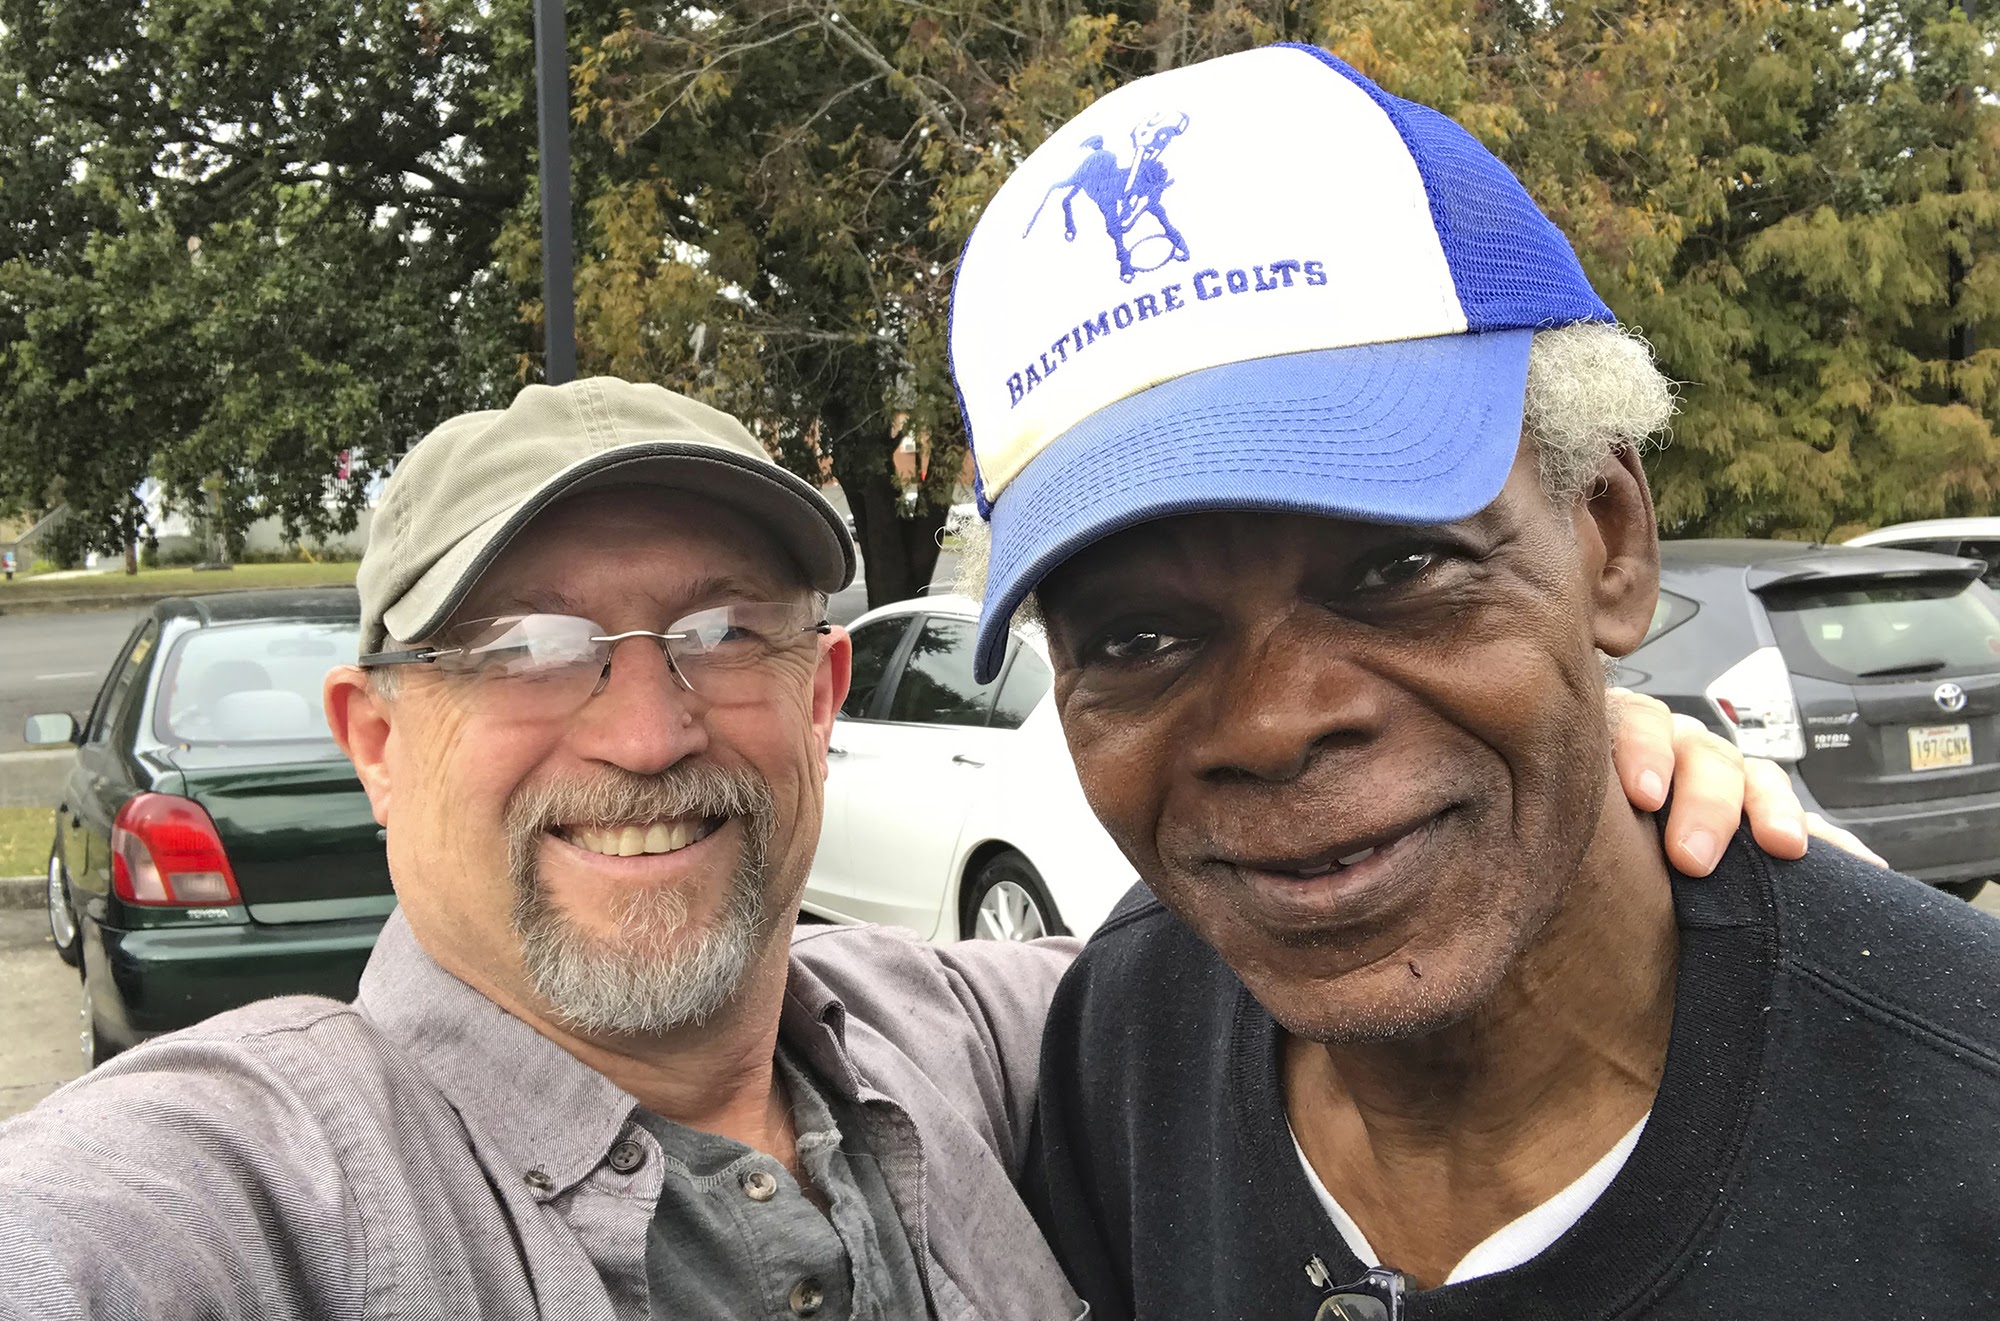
{"type": "Point", "coordinates": [614, 796]}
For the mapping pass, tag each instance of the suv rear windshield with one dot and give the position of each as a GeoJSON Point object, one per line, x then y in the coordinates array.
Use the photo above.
{"type": "Point", "coordinates": [251, 683]}
{"type": "Point", "coordinates": [1887, 630]}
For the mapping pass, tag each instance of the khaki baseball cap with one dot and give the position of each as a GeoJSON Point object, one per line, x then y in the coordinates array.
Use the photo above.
{"type": "Point", "coordinates": [463, 492]}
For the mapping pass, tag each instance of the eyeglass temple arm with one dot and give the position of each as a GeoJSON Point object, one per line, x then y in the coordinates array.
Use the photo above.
{"type": "Point", "coordinates": [413, 656]}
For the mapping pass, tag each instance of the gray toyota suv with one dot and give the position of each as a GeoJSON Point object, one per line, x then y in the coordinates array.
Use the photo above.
{"type": "Point", "coordinates": [1874, 674]}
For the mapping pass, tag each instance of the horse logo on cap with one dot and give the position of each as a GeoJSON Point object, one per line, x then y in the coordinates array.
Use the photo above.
{"type": "Point", "coordinates": [1126, 195]}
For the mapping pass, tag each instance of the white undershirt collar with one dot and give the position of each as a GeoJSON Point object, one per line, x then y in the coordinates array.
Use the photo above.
{"type": "Point", "coordinates": [1513, 1244]}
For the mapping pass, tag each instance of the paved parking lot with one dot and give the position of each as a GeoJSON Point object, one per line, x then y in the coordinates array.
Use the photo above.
{"type": "Point", "coordinates": [41, 1003]}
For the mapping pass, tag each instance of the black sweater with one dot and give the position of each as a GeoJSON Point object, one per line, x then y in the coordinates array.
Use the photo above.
{"type": "Point", "coordinates": [1825, 1143]}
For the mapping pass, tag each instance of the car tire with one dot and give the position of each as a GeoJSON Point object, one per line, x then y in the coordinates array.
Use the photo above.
{"type": "Point", "coordinates": [1005, 900]}
{"type": "Point", "coordinates": [1966, 890]}
{"type": "Point", "coordinates": [63, 930]}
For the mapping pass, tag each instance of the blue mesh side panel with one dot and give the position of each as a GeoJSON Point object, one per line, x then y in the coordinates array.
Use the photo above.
{"type": "Point", "coordinates": [1513, 268]}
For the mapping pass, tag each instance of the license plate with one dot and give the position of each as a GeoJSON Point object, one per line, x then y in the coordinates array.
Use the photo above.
{"type": "Point", "coordinates": [1938, 747]}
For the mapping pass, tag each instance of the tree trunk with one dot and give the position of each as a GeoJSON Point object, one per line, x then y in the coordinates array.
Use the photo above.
{"type": "Point", "coordinates": [898, 554]}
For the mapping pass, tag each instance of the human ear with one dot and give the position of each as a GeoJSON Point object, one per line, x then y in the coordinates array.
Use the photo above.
{"type": "Point", "coordinates": [1616, 516]}
{"type": "Point", "coordinates": [830, 681]}
{"type": "Point", "coordinates": [359, 718]}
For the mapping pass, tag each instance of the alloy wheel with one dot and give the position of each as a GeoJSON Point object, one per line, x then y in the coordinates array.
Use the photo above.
{"type": "Point", "coordinates": [1008, 912]}
{"type": "Point", "coordinates": [62, 921]}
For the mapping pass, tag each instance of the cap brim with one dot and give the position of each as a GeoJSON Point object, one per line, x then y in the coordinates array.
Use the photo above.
{"type": "Point", "coordinates": [1415, 431]}
{"type": "Point", "coordinates": [797, 517]}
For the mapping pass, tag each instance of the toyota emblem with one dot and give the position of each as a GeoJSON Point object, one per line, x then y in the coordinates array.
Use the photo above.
{"type": "Point", "coordinates": [1949, 697]}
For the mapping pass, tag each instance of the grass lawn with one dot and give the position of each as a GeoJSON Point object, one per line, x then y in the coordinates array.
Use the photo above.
{"type": "Point", "coordinates": [25, 833]}
{"type": "Point", "coordinates": [174, 582]}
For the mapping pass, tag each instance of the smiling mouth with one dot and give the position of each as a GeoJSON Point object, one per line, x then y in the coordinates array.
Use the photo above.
{"type": "Point", "coordinates": [1377, 849]}
{"type": "Point", "coordinates": [639, 838]}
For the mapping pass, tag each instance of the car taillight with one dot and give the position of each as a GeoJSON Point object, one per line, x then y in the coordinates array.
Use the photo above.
{"type": "Point", "coordinates": [165, 850]}
{"type": "Point", "coordinates": [1755, 696]}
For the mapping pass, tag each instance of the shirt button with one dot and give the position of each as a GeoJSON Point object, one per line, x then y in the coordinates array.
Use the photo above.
{"type": "Point", "coordinates": [807, 1295]}
{"type": "Point", "coordinates": [761, 1186]}
{"type": "Point", "coordinates": [627, 1156]}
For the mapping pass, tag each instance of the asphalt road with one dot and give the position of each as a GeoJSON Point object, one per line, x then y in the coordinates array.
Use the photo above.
{"type": "Point", "coordinates": [54, 663]}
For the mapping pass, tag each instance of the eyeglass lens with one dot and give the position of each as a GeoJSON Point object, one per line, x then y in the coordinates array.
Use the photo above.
{"type": "Point", "coordinates": [541, 665]}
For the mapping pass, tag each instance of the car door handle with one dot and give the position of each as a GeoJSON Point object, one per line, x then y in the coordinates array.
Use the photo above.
{"type": "Point", "coordinates": [962, 760]}
{"type": "Point", "coordinates": [832, 751]}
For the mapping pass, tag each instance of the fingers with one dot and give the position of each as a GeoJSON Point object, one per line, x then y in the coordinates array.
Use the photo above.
{"type": "Point", "coordinates": [1709, 781]}
{"type": "Point", "coordinates": [1714, 788]}
{"type": "Point", "coordinates": [1820, 828]}
{"type": "Point", "coordinates": [1777, 819]}
{"type": "Point", "coordinates": [1642, 747]}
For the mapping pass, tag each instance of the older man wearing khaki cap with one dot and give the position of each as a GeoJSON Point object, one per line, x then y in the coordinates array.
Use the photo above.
{"type": "Point", "coordinates": [591, 1071]}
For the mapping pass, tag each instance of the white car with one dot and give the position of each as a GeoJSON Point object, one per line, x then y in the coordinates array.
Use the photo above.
{"type": "Point", "coordinates": [1970, 538]}
{"type": "Point", "coordinates": [951, 806]}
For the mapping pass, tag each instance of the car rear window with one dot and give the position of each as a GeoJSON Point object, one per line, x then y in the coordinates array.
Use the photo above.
{"type": "Point", "coordinates": [1887, 630]}
{"type": "Point", "coordinates": [251, 683]}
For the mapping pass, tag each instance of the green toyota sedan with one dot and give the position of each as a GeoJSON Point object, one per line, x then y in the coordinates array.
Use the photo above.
{"type": "Point", "coordinates": [212, 846]}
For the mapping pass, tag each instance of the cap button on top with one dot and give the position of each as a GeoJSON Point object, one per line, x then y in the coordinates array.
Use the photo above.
{"type": "Point", "coordinates": [760, 1186]}
{"type": "Point", "coordinates": [627, 1156]}
{"type": "Point", "coordinates": [807, 1295]}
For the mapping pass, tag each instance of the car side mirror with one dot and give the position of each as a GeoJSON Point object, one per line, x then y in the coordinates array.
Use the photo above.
{"type": "Point", "coordinates": [54, 727]}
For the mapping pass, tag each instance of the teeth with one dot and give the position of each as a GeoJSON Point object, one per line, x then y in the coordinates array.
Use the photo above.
{"type": "Point", "coordinates": [1353, 858]}
{"type": "Point", "coordinates": [1310, 872]}
{"type": "Point", "coordinates": [632, 841]}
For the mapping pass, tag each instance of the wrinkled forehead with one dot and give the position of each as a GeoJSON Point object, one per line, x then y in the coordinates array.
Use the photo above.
{"type": "Point", "coordinates": [639, 547]}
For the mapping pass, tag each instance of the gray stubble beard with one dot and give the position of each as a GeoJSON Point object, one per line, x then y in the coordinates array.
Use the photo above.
{"type": "Point", "coordinates": [651, 975]}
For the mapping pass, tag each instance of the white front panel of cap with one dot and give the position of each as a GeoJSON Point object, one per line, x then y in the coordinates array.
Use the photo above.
{"type": "Point", "coordinates": [1255, 205]}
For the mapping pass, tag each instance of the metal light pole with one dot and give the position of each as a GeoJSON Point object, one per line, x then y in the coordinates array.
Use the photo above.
{"type": "Point", "coordinates": [1964, 336]}
{"type": "Point", "coordinates": [552, 104]}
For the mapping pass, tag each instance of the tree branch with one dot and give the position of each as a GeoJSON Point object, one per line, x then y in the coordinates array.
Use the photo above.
{"type": "Point", "coordinates": [844, 33]}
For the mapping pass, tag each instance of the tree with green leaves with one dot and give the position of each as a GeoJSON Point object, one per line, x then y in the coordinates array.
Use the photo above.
{"type": "Point", "coordinates": [1792, 201]}
{"type": "Point", "coordinates": [241, 237]}
{"type": "Point", "coordinates": [239, 241]}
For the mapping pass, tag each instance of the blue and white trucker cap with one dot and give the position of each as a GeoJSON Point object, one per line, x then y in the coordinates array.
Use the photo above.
{"type": "Point", "coordinates": [1260, 282]}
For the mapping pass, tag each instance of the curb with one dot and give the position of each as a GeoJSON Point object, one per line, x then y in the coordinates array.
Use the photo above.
{"type": "Point", "coordinates": [22, 891]}
{"type": "Point", "coordinates": [50, 605]}
{"type": "Point", "coordinates": [64, 605]}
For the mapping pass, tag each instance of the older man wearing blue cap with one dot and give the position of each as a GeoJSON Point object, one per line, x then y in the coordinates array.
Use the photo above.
{"type": "Point", "coordinates": [1331, 506]}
